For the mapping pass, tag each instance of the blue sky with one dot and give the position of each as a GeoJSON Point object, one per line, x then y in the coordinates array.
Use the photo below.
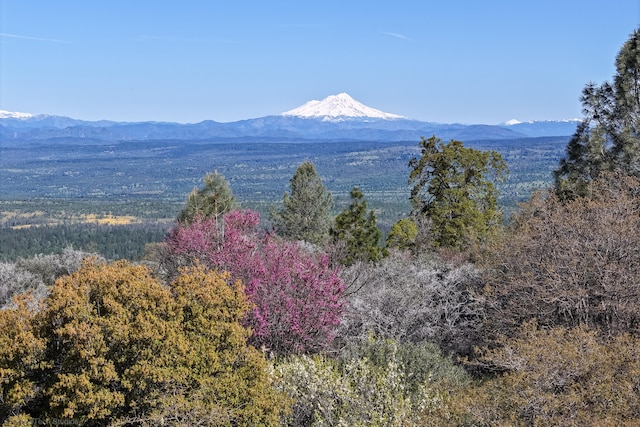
{"type": "Point", "coordinates": [188, 61]}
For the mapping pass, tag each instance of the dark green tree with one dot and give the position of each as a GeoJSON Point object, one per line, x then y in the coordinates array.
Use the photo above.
{"type": "Point", "coordinates": [609, 135]}
{"type": "Point", "coordinates": [305, 214]}
{"type": "Point", "coordinates": [453, 186]}
{"type": "Point", "coordinates": [586, 157]}
{"type": "Point", "coordinates": [358, 231]}
{"type": "Point", "coordinates": [214, 199]}
{"type": "Point", "coordinates": [625, 129]}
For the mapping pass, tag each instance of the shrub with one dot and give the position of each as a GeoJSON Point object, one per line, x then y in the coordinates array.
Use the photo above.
{"type": "Point", "coordinates": [558, 376]}
{"type": "Point", "coordinates": [409, 299]}
{"type": "Point", "coordinates": [49, 267]}
{"type": "Point", "coordinates": [112, 344]}
{"type": "Point", "coordinates": [14, 281]}
{"type": "Point", "coordinates": [570, 263]}
{"type": "Point", "coordinates": [296, 296]}
{"type": "Point", "coordinates": [37, 274]}
{"type": "Point", "coordinates": [419, 363]}
{"type": "Point", "coordinates": [356, 394]}
{"type": "Point", "coordinates": [379, 383]}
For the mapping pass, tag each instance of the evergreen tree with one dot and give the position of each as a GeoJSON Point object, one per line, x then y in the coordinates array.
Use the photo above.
{"type": "Point", "coordinates": [609, 136]}
{"type": "Point", "coordinates": [305, 214]}
{"type": "Point", "coordinates": [625, 128]}
{"type": "Point", "coordinates": [585, 158]}
{"type": "Point", "coordinates": [358, 231]}
{"type": "Point", "coordinates": [214, 199]}
{"type": "Point", "coordinates": [452, 186]}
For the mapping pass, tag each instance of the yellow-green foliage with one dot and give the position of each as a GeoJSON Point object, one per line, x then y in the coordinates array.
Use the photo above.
{"type": "Point", "coordinates": [356, 394]}
{"type": "Point", "coordinates": [21, 352]}
{"type": "Point", "coordinates": [377, 383]}
{"type": "Point", "coordinates": [403, 234]}
{"type": "Point", "coordinates": [112, 345]}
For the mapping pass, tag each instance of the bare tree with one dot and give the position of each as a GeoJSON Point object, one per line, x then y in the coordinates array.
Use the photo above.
{"type": "Point", "coordinates": [410, 299]}
{"type": "Point", "coordinates": [569, 264]}
{"type": "Point", "coordinates": [36, 274]}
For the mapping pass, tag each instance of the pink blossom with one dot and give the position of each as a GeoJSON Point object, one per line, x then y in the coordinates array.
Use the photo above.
{"type": "Point", "coordinates": [297, 298]}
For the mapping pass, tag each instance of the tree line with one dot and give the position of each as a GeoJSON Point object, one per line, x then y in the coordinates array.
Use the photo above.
{"type": "Point", "coordinates": [112, 241]}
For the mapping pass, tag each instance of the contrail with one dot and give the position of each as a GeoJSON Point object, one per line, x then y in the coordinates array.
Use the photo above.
{"type": "Point", "coordinates": [40, 39]}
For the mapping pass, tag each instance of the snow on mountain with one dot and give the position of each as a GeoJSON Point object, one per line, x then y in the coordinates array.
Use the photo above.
{"type": "Point", "coordinates": [538, 128]}
{"type": "Point", "coordinates": [4, 114]}
{"type": "Point", "coordinates": [336, 107]}
{"type": "Point", "coordinates": [512, 122]}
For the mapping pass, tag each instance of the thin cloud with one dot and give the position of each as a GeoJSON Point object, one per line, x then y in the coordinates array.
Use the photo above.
{"type": "Point", "coordinates": [397, 36]}
{"type": "Point", "coordinates": [38, 39]}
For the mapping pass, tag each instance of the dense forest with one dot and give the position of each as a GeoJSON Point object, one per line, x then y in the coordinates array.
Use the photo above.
{"type": "Point", "coordinates": [131, 183]}
{"type": "Point", "coordinates": [112, 241]}
{"type": "Point", "coordinates": [452, 317]}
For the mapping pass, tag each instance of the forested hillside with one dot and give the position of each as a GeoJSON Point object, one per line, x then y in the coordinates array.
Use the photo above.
{"type": "Point", "coordinates": [130, 184]}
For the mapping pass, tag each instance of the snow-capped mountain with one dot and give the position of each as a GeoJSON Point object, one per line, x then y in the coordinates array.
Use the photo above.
{"type": "Point", "coordinates": [539, 128]}
{"type": "Point", "coordinates": [512, 122]}
{"type": "Point", "coordinates": [337, 107]}
{"type": "Point", "coordinates": [335, 118]}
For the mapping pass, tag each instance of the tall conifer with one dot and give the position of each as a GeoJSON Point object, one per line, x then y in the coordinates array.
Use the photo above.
{"type": "Point", "coordinates": [609, 136]}
{"type": "Point", "coordinates": [305, 214]}
{"type": "Point", "coordinates": [358, 230]}
{"type": "Point", "coordinates": [212, 200]}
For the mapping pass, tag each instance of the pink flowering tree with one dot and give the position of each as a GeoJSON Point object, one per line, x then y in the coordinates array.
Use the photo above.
{"type": "Point", "coordinates": [297, 298]}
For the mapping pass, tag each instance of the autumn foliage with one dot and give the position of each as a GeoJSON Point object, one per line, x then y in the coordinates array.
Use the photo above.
{"type": "Point", "coordinates": [296, 297]}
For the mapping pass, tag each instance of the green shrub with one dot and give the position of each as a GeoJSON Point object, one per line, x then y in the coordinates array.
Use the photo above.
{"type": "Point", "coordinates": [377, 384]}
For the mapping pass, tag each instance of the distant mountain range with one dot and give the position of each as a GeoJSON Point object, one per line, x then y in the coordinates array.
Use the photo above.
{"type": "Point", "coordinates": [335, 118]}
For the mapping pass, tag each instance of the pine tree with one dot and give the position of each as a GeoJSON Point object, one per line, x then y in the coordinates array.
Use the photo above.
{"type": "Point", "coordinates": [358, 231]}
{"type": "Point", "coordinates": [609, 136]}
{"type": "Point", "coordinates": [305, 214]}
{"type": "Point", "coordinates": [625, 129]}
{"type": "Point", "coordinates": [214, 199]}
{"type": "Point", "coordinates": [452, 186]}
{"type": "Point", "coordinates": [586, 157]}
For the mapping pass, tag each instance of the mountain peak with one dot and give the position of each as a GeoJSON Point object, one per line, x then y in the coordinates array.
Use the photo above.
{"type": "Point", "coordinates": [512, 122]}
{"type": "Point", "coordinates": [338, 106]}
